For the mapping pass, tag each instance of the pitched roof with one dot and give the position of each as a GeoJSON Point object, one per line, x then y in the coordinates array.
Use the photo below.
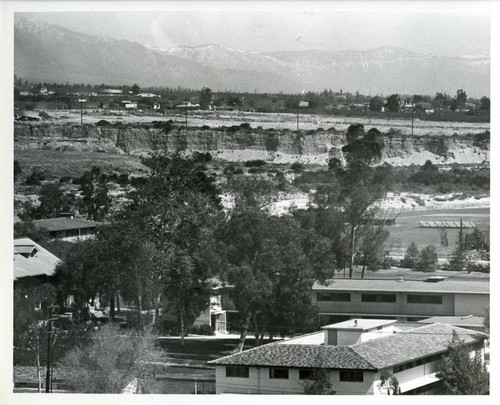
{"type": "Point", "coordinates": [468, 320]}
{"type": "Point", "coordinates": [61, 224]}
{"type": "Point", "coordinates": [379, 285]}
{"type": "Point", "coordinates": [42, 263]}
{"type": "Point", "coordinates": [374, 354]}
{"type": "Point", "coordinates": [297, 355]}
{"type": "Point", "coordinates": [412, 344]}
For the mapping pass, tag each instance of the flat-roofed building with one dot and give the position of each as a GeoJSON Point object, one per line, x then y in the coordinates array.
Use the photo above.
{"type": "Point", "coordinates": [342, 299]}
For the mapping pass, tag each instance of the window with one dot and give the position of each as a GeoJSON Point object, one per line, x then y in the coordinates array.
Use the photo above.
{"type": "Point", "coordinates": [378, 297]}
{"type": "Point", "coordinates": [236, 371]}
{"type": "Point", "coordinates": [351, 375]}
{"type": "Point", "coordinates": [281, 373]}
{"type": "Point", "coordinates": [404, 366]}
{"type": "Point", "coordinates": [346, 297]}
{"type": "Point", "coordinates": [424, 299]}
{"type": "Point", "coordinates": [305, 373]}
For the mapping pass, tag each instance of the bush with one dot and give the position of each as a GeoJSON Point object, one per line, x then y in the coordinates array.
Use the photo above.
{"type": "Point", "coordinates": [246, 126]}
{"type": "Point", "coordinates": [254, 170]}
{"type": "Point", "coordinates": [35, 177]}
{"type": "Point", "coordinates": [428, 259]}
{"type": "Point", "coordinates": [255, 163]}
{"type": "Point", "coordinates": [229, 169]}
{"type": "Point", "coordinates": [238, 170]}
{"type": "Point", "coordinates": [206, 329]}
{"type": "Point", "coordinates": [297, 167]}
{"type": "Point", "coordinates": [201, 157]}
{"type": "Point", "coordinates": [103, 123]}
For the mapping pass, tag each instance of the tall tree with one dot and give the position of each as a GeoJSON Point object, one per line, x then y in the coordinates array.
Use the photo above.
{"type": "Point", "coordinates": [462, 374]}
{"type": "Point", "coordinates": [96, 202]}
{"type": "Point", "coordinates": [393, 103]}
{"type": "Point", "coordinates": [269, 263]}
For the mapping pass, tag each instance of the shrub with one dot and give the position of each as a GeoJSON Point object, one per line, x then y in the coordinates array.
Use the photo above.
{"type": "Point", "coordinates": [229, 169]}
{"type": "Point", "coordinates": [255, 163]}
{"type": "Point", "coordinates": [35, 177]}
{"type": "Point", "coordinates": [246, 126]}
{"type": "Point", "coordinates": [428, 259]}
{"type": "Point", "coordinates": [297, 167]}
{"type": "Point", "coordinates": [238, 170]}
{"type": "Point", "coordinates": [254, 170]}
{"type": "Point", "coordinates": [206, 329]}
{"type": "Point", "coordinates": [103, 123]}
{"type": "Point", "coordinates": [65, 179]}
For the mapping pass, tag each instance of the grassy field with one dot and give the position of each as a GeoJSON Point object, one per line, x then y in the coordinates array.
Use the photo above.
{"type": "Point", "coordinates": [70, 163]}
{"type": "Point", "coordinates": [407, 230]}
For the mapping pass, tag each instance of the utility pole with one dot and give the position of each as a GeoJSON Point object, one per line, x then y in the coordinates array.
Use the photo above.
{"type": "Point", "coordinates": [186, 117]}
{"type": "Point", "coordinates": [298, 102]}
{"type": "Point", "coordinates": [412, 120]}
{"type": "Point", "coordinates": [49, 357]}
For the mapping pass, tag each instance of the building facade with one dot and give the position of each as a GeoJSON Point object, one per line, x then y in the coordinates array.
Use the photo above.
{"type": "Point", "coordinates": [371, 350]}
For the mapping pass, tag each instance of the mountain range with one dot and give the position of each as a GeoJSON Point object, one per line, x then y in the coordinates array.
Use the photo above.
{"type": "Point", "coordinates": [49, 53]}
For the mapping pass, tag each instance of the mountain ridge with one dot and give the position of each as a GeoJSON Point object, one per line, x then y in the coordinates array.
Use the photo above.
{"type": "Point", "coordinates": [46, 52]}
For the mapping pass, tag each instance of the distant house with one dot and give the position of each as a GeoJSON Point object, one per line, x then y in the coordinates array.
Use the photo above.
{"type": "Point", "coordinates": [148, 95]}
{"type": "Point", "coordinates": [68, 229]}
{"type": "Point", "coordinates": [24, 93]}
{"type": "Point", "coordinates": [33, 264]}
{"type": "Point", "coordinates": [356, 355]}
{"type": "Point", "coordinates": [188, 105]}
{"type": "Point", "coordinates": [111, 92]}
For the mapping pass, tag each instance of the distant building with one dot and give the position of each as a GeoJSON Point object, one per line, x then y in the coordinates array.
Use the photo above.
{"type": "Point", "coordinates": [403, 300]}
{"type": "Point", "coordinates": [129, 105]}
{"type": "Point", "coordinates": [342, 299]}
{"type": "Point", "coordinates": [356, 355]}
{"type": "Point", "coordinates": [112, 92]}
{"type": "Point", "coordinates": [67, 229]}
{"type": "Point", "coordinates": [148, 95]}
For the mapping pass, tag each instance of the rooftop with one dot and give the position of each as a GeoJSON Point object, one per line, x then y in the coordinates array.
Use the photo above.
{"type": "Point", "coordinates": [468, 320]}
{"type": "Point", "coordinates": [41, 263]}
{"type": "Point", "coordinates": [412, 344]}
{"type": "Point", "coordinates": [360, 324]}
{"type": "Point", "coordinates": [380, 285]}
{"type": "Point", "coordinates": [61, 224]}
{"type": "Point", "coordinates": [297, 355]}
{"type": "Point", "coordinates": [391, 350]}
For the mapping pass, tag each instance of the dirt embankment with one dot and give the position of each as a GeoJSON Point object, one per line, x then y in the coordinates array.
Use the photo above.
{"type": "Point", "coordinates": [242, 145]}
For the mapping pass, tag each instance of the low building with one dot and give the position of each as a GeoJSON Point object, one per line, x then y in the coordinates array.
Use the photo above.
{"type": "Point", "coordinates": [405, 300]}
{"type": "Point", "coordinates": [357, 356]}
{"type": "Point", "coordinates": [471, 322]}
{"type": "Point", "coordinates": [67, 229]}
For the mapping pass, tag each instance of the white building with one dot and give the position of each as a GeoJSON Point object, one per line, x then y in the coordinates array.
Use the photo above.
{"type": "Point", "coordinates": [357, 354]}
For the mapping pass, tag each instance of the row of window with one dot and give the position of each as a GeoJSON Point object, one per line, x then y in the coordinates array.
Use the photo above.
{"type": "Point", "coordinates": [282, 373]}
{"type": "Point", "coordinates": [410, 298]}
{"type": "Point", "coordinates": [416, 363]}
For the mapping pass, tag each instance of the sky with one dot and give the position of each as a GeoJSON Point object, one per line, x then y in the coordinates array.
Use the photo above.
{"type": "Point", "coordinates": [457, 32]}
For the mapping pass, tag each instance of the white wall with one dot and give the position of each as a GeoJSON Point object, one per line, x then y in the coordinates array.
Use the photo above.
{"type": "Point", "coordinates": [468, 304]}
{"type": "Point", "coordinates": [260, 383]}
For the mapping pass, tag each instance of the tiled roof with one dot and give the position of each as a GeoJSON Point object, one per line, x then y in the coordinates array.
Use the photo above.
{"type": "Point", "coordinates": [290, 355]}
{"type": "Point", "coordinates": [378, 285]}
{"type": "Point", "coordinates": [469, 320]}
{"type": "Point", "coordinates": [42, 263]}
{"type": "Point", "coordinates": [61, 224]}
{"type": "Point", "coordinates": [371, 355]}
{"type": "Point", "coordinates": [412, 344]}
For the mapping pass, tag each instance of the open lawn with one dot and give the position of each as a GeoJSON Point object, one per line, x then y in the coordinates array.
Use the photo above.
{"type": "Point", "coordinates": [58, 164]}
{"type": "Point", "coordinates": [407, 230]}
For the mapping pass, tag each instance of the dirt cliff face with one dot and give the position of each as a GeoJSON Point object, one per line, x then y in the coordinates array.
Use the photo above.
{"type": "Point", "coordinates": [241, 145]}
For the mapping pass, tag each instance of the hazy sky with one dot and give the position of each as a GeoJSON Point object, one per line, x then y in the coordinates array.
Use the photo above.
{"type": "Point", "coordinates": [443, 33]}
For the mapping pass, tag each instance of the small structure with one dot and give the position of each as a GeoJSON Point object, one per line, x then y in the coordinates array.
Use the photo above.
{"type": "Point", "coordinates": [68, 229]}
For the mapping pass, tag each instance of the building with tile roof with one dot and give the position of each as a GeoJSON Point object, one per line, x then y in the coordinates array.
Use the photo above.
{"type": "Point", "coordinates": [371, 350]}
{"type": "Point", "coordinates": [67, 229]}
